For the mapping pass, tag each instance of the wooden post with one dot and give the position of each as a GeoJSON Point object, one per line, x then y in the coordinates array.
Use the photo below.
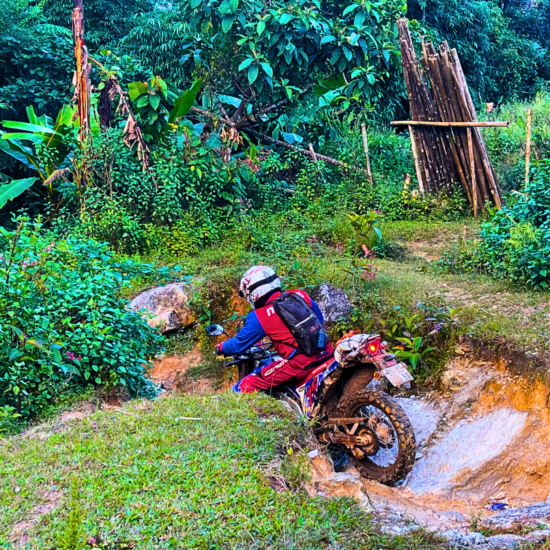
{"type": "Point", "coordinates": [472, 170]}
{"type": "Point", "coordinates": [366, 148]}
{"type": "Point", "coordinates": [82, 73]}
{"type": "Point", "coordinates": [528, 147]}
{"type": "Point", "coordinates": [313, 155]}
{"type": "Point", "coordinates": [416, 161]}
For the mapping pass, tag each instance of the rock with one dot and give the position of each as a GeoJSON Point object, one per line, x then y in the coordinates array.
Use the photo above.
{"type": "Point", "coordinates": [516, 518]}
{"type": "Point", "coordinates": [327, 483]}
{"type": "Point", "coordinates": [333, 302]}
{"type": "Point", "coordinates": [505, 541]}
{"type": "Point", "coordinates": [166, 306]}
{"type": "Point", "coordinates": [457, 539]}
{"type": "Point", "coordinates": [343, 484]}
{"type": "Point", "coordinates": [539, 534]}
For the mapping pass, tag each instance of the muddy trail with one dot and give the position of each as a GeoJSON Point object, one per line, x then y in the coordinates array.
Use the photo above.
{"type": "Point", "coordinates": [483, 460]}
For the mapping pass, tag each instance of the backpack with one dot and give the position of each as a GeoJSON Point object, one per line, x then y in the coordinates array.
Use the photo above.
{"type": "Point", "coordinates": [302, 322]}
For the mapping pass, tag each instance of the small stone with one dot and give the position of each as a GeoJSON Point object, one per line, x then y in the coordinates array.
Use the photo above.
{"type": "Point", "coordinates": [17, 490]}
{"type": "Point", "coordinates": [505, 541]}
{"type": "Point", "coordinates": [313, 454]}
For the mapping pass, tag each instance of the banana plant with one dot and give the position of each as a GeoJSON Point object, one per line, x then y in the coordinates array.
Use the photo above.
{"type": "Point", "coordinates": [49, 151]}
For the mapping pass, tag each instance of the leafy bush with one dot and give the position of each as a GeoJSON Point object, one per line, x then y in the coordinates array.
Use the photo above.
{"type": "Point", "coordinates": [515, 243]}
{"type": "Point", "coordinates": [63, 324]}
{"type": "Point", "coordinates": [507, 145]}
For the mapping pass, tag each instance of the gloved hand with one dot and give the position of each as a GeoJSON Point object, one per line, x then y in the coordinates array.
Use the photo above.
{"type": "Point", "coordinates": [218, 349]}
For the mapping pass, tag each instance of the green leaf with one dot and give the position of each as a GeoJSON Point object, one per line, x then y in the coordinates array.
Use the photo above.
{"type": "Point", "coordinates": [246, 63]}
{"type": "Point", "coordinates": [185, 101]}
{"type": "Point", "coordinates": [235, 101]}
{"type": "Point", "coordinates": [163, 87]}
{"type": "Point", "coordinates": [286, 18]}
{"type": "Point", "coordinates": [234, 5]}
{"type": "Point", "coordinates": [267, 68]}
{"type": "Point", "coordinates": [359, 19]}
{"type": "Point", "coordinates": [14, 354]}
{"type": "Point", "coordinates": [195, 3]}
{"type": "Point", "coordinates": [328, 38]}
{"type": "Point", "coordinates": [135, 89]}
{"type": "Point", "coordinates": [349, 9]}
{"type": "Point", "coordinates": [33, 119]}
{"type": "Point", "coordinates": [15, 390]}
{"type": "Point", "coordinates": [417, 342]}
{"type": "Point", "coordinates": [252, 73]}
{"type": "Point", "coordinates": [35, 343]}
{"type": "Point", "coordinates": [13, 189]}
{"type": "Point", "coordinates": [260, 28]}
{"type": "Point", "coordinates": [28, 127]}
{"type": "Point", "coordinates": [227, 22]}
{"type": "Point", "coordinates": [292, 138]}
{"type": "Point", "coordinates": [142, 101]}
{"type": "Point", "coordinates": [154, 101]}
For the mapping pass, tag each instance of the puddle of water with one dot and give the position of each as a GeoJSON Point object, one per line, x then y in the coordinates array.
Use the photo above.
{"type": "Point", "coordinates": [467, 446]}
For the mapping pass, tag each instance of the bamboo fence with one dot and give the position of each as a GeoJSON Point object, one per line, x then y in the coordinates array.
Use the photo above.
{"type": "Point", "coordinates": [446, 139]}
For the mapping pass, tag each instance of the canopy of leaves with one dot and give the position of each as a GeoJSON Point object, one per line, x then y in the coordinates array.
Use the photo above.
{"type": "Point", "coordinates": [500, 59]}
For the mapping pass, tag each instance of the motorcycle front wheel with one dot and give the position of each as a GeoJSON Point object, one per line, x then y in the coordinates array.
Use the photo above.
{"type": "Point", "coordinates": [384, 418]}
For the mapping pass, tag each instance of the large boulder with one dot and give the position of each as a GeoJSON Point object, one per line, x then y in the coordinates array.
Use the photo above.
{"type": "Point", "coordinates": [166, 306]}
{"type": "Point", "coordinates": [333, 302]}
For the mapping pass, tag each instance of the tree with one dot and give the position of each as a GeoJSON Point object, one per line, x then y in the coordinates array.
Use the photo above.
{"type": "Point", "coordinates": [274, 64]}
{"type": "Point", "coordinates": [498, 61]}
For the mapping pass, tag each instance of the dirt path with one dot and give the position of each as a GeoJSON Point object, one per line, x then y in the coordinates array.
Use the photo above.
{"type": "Point", "coordinates": [483, 441]}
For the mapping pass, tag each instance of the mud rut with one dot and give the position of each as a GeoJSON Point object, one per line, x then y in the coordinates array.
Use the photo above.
{"type": "Point", "coordinates": [483, 438]}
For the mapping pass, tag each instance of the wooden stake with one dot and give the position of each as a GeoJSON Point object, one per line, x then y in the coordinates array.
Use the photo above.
{"type": "Point", "coordinates": [416, 161]}
{"type": "Point", "coordinates": [472, 170]}
{"type": "Point", "coordinates": [313, 155]}
{"type": "Point", "coordinates": [528, 147]}
{"type": "Point", "coordinates": [366, 148]}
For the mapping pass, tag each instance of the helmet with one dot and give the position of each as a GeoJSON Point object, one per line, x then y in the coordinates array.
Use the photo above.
{"type": "Point", "coordinates": [258, 282]}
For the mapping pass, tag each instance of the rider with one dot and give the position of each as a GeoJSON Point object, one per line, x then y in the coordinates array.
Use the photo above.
{"type": "Point", "coordinates": [260, 285]}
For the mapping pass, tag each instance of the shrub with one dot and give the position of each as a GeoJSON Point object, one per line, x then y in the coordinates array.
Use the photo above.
{"type": "Point", "coordinates": [515, 243]}
{"type": "Point", "coordinates": [63, 323]}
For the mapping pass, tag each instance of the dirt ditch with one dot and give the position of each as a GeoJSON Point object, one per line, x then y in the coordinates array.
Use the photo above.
{"type": "Point", "coordinates": [483, 461]}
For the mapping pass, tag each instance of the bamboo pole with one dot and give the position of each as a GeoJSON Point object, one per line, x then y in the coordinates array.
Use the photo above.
{"type": "Point", "coordinates": [366, 148]}
{"type": "Point", "coordinates": [453, 124]}
{"type": "Point", "coordinates": [82, 70]}
{"type": "Point", "coordinates": [416, 162]}
{"type": "Point", "coordinates": [528, 146]}
{"type": "Point", "coordinates": [472, 170]}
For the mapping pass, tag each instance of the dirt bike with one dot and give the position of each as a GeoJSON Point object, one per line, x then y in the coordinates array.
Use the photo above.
{"type": "Point", "coordinates": [352, 417]}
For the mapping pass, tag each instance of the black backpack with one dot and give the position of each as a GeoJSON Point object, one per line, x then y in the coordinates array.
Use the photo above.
{"type": "Point", "coordinates": [302, 322]}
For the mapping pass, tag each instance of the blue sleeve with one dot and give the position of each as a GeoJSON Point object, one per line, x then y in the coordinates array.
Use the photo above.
{"type": "Point", "coordinates": [317, 311]}
{"type": "Point", "coordinates": [251, 333]}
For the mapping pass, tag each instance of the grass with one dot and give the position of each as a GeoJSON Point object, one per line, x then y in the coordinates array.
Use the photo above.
{"type": "Point", "coordinates": [147, 477]}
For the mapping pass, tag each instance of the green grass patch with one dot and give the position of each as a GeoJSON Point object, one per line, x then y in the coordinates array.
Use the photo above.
{"type": "Point", "coordinates": [148, 477]}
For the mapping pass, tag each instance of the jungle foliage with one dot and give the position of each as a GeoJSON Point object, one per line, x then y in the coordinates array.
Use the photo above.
{"type": "Point", "coordinates": [187, 98]}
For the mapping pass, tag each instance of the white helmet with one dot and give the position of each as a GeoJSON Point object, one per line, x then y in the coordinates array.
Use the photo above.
{"type": "Point", "coordinates": [257, 282]}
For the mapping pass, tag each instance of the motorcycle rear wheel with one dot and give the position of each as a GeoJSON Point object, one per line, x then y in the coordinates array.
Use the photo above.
{"type": "Point", "coordinates": [396, 447]}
